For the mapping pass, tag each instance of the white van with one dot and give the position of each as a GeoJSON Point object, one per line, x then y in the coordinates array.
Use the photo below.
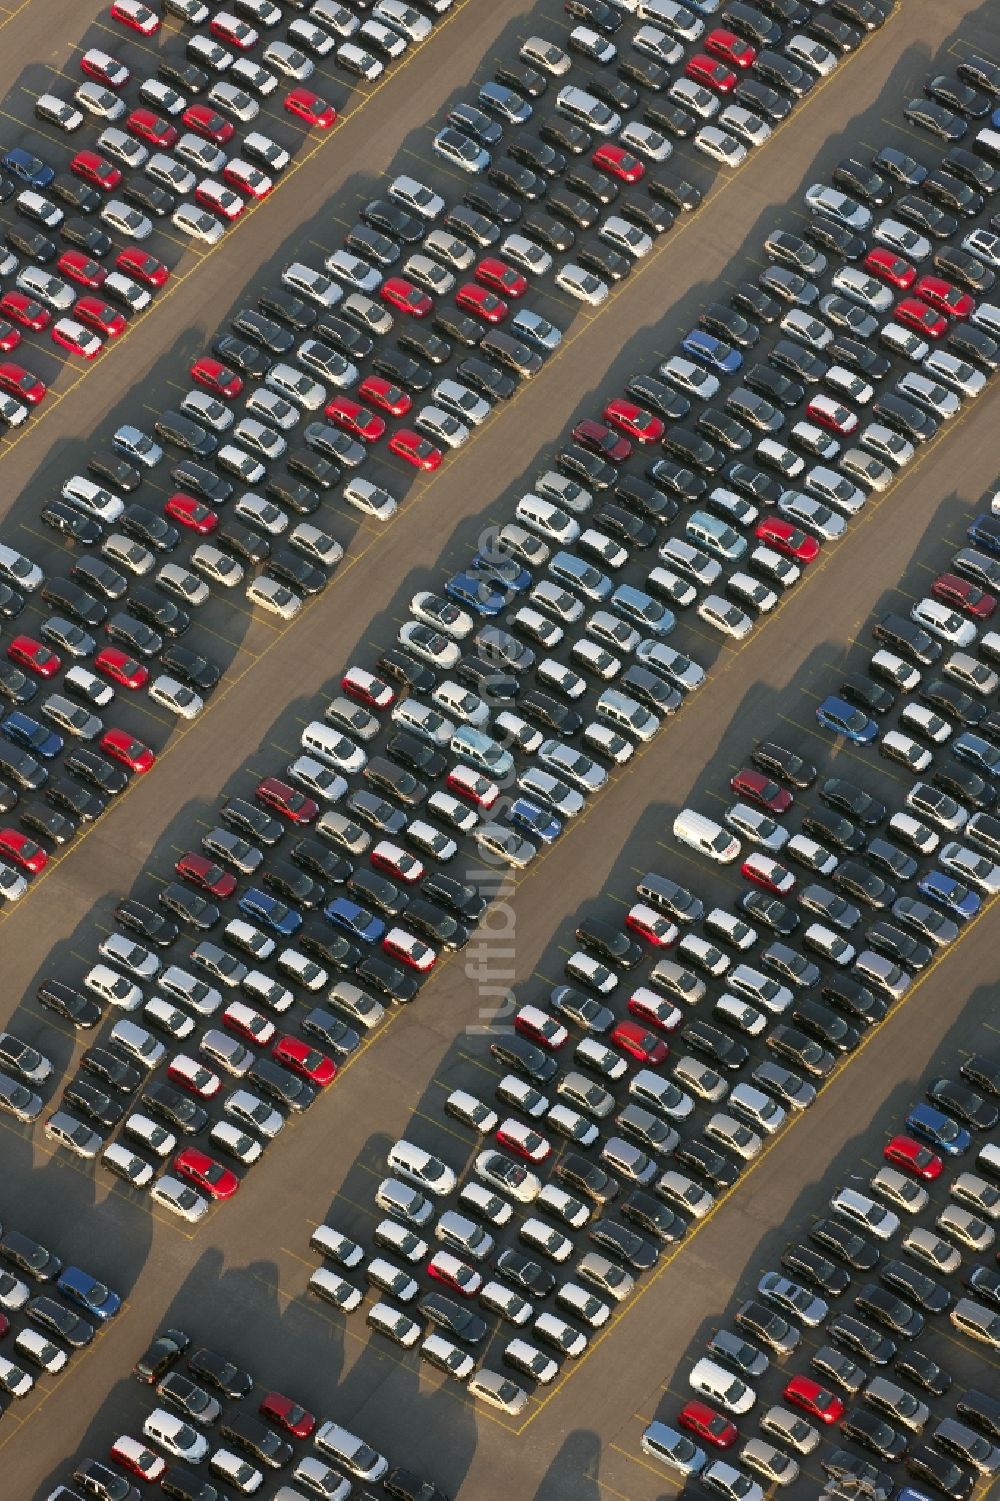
{"type": "Point", "coordinates": [547, 519]}
{"type": "Point", "coordinates": [706, 836]}
{"type": "Point", "coordinates": [422, 1168]}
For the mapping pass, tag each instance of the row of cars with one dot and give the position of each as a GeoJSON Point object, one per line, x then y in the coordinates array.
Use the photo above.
{"type": "Point", "coordinates": [862, 1292]}
{"type": "Point", "coordinates": [203, 1425]}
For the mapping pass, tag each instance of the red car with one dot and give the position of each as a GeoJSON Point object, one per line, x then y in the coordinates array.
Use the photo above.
{"type": "Point", "coordinates": [27, 652]}
{"type": "Point", "coordinates": [287, 1414]}
{"type": "Point", "coordinates": [600, 439]}
{"type": "Point", "coordinates": [137, 1458]}
{"type": "Point", "coordinates": [409, 950]}
{"type": "Point", "coordinates": [618, 162]}
{"type": "Point", "coordinates": [644, 1046]}
{"type": "Point", "coordinates": [917, 315]}
{"type": "Point", "coordinates": [206, 122]}
{"type": "Point", "coordinates": [786, 538]}
{"type": "Point", "coordinates": [384, 394]}
{"type": "Point", "coordinates": [633, 420]}
{"type": "Point", "coordinates": [305, 1060]}
{"type": "Point", "coordinates": [247, 178]}
{"type": "Point", "coordinates": [913, 1157]}
{"type": "Point", "coordinates": [396, 862]}
{"type": "Point", "coordinates": [890, 267]}
{"type": "Point", "coordinates": [652, 926]}
{"type": "Point", "coordinates": [964, 596]}
{"type": "Point", "coordinates": [143, 266]}
{"type": "Point", "coordinates": [146, 125]}
{"type": "Point", "coordinates": [281, 798]}
{"type": "Point", "coordinates": [229, 28]}
{"type": "Point", "coordinates": [366, 688]}
{"type": "Point", "coordinates": [354, 418]}
{"type": "Point", "coordinates": [311, 108]}
{"type": "Point", "coordinates": [10, 337]}
{"type": "Point", "coordinates": [405, 444]}
{"type": "Point", "coordinates": [522, 1141]}
{"type": "Point", "coordinates": [944, 296]}
{"type": "Point", "coordinates": [96, 170]}
{"type": "Point", "coordinates": [655, 1009]}
{"type": "Point", "coordinates": [500, 277]}
{"type": "Point", "coordinates": [248, 1023]}
{"type": "Point", "coordinates": [764, 870]}
{"type": "Point", "coordinates": [205, 1173]}
{"type": "Point", "coordinates": [80, 268]}
{"type": "Point", "coordinates": [121, 746]}
{"type": "Point", "coordinates": [76, 339]}
{"type": "Point", "coordinates": [107, 70]}
{"type": "Point", "coordinates": [200, 871]}
{"type": "Point", "coordinates": [192, 1075]}
{"type": "Point", "coordinates": [814, 1399]}
{"type": "Point", "coordinates": [405, 297]}
{"type": "Point", "coordinates": [483, 303]}
{"type": "Point", "coordinates": [24, 310]}
{"type": "Point", "coordinates": [192, 513]}
{"type": "Point", "coordinates": [21, 383]}
{"type": "Point", "coordinates": [832, 415]}
{"type": "Point", "coordinates": [711, 72]}
{"type": "Point", "coordinates": [120, 668]}
{"type": "Point", "coordinates": [712, 1426]}
{"type": "Point", "coordinates": [100, 315]}
{"type": "Point", "coordinates": [220, 199]}
{"type": "Point", "coordinates": [758, 789]}
{"type": "Point", "coordinates": [216, 377]}
{"type": "Point", "coordinates": [541, 1028]}
{"type": "Point", "coordinates": [138, 17]}
{"type": "Point", "coordinates": [454, 1274]}
{"type": "Point", "coordinates": [730, 48]}
{"type": "Point", "coordinates": [22, 850]}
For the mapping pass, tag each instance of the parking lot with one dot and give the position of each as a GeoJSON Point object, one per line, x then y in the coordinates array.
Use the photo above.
{"type": "Point", "coordinates": [581, 1432]}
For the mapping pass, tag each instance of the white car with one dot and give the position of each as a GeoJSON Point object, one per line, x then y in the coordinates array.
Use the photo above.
{"type": "Point", "coordinates": [901, 238]}
{"type": "Point", "coordinates": [647, 141]}
{"type": "Point", "coordinates": [863, 1211]}
{"type": "Point", "coordinates": [370, 499]}
{"type": "Point", "coordinates": [460, 150]}
{"type": "Point", "coordinates": [179, 1198]}
{"type": "Point", "coordinates": [720, 1386]}
{"type": "Point", "coordinates": [113, 987]}
{"type": "Point", "coordinates": [581, 284]}
{"type": "Point", "coordinates": [274, 597]}
{"type": "Point", "coordinates": [429, 645]}
{"type": "Point", "coordinates": [99, 101]}
{"type": "Point", "coordinates": [177, 1438]}
{"type": "Point", "coordinates": [811, 54]}
{"type": "Point", "coordinates": [720, 145]}
{"type": "Point", "coordinates": [198, 224]}
{"type": "Point", "coordinates": [183, 584]}
{"type": "Point", "coordinates": [176, 696]}
{"type": "Point", "coordinates": [942, 622]}
{"type": "Point", "coordinates": [744, 124]}
{"type": "Point", "coordinates": [526, 254]}
{"type": "Point", "coordinates": [416, 197]}
{"type": "Point", "coordinates": [441, 426]}
{"type": "Point", "coordinates": [625, 236]}
{"type": "Point", "coordinates": [724, 617]}
{"type": "Point", "coordinates": [461, 402]}
{"type": "Point", "coordinates": [58, 112]}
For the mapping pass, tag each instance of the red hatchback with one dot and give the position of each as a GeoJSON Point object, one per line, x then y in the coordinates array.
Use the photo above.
{"type": "Point", "coordinates": [712, 1426]}
{"type": "Point", "coordinates": [27, 652]}
{"type": "Point", "coordinates": [367, 689]}
{"type": "Point", "coordinates": [10, 337]}
{"type": "Point", "coordinates": [204, 1172]}
{"type": "Point", "coordinates": [121, 746]}
{"type": "Point", "coordinates": [21, 383]}
{"type": "Point", "coordinates": [652, 926]}
{"type": "Point", "coordinates": [405, 297]}
{"type": "Point", "coordinates": [208, 123]}
{"type": "Point", "coordinates": [913, 313]}
{"type": "Point", "coordinates": [120, 668]}
{"type": "Point", "coordinates": [96, 169]}
{"type": "Point", "coordinates": [641, 1045]}
{"type": "Point", "coordinates": [633, 420]}
{"type": "Point", "coordinates": [500, 277]}
{"type": "Point", "coordinates": [100, 315]}
{"type": "Point", "coordinates": [730, 48]}
{"type": "Point", "coordinates": [199, 871]}
{"type": "Point", "coordinates": [814, 1399]}
{"type": "Point", "coordinates": [618, 162]}
{"type": "Point", "coordinates": [654, 1009]}
{"type": "Point", "coordinates": [787, 539]}
{"type": "Point", "coordinates": [354, 418]}
{"type": "Point", "coordinates": [600, 439]}
{"type": "Point", "coordinates": [541, 1028]}
{"type": "Point", "coordinates": [192, 513]}
{"type": "Point", "coordinates": [963, 595]}
{"type": "Point", "coordinates": [408, 445]}
{"type": "Point", "coordinates": [23, 851]}
{"type": "Point", "coordinates": [146, 125]}
{"type": "Point", "coordinates": [482, 303]}
{"type": "Point", "coordinates": [913, 1157]}
{"type": "Point", "coordinates": [888, 266]}
{"type": "Point", "coordinates": [944, 296]}
{"type": "Point", "coordinates": [711, 72]}
{"type": "Point", "coordinates": [231, 29]}
{"type": "Point", "coordinates": [80, 268]}
{"type": "Point", "coordinates": [311, 108]}
{"type": "Point", "coordinates": [216, 377]}
{"type": "Point", "coordinates": [384, 394]}
{"type": "Point", "coordinates": [24, 310]}
{"type": "Point", "coordinates": [143, 266]}
{"type": "Point", "coordinates": [287, 1414]}
{"type": "Point", "coordinates": [281, 798]}
{"type": "Point", "coordinates": [758, 789]}
{"type": "Point", "coordinates": [305, 1060]}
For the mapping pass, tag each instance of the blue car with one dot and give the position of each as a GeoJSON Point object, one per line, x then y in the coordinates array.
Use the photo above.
{"type": "Point", "coordinates": [35, 737]}
{"type": "Point", "coordinates": [984, 531]}
{"type": "Point", "coordinates": [946, 892]}
{"type": "Point", "coordinates": [842, 718]}
{"type": "Point", "coordinates": [358, 921]}
{"type": "Point", "coordinates": [534, 820]}
{"type": "Point", "coordinates": [266, 909]}
{"type": "Point", "coordinates": [938, 1130]}
{"type": "Point", "coordinates": [506, 571]}
{"type": "Point", "coordinates": [713, 352]}
{"type": "Point", "coordinates": [977, 752]}
{"type": "Point", "coordinates": [482, 595]}
{"type": "Point", "coordinates": [88, 1293]}
{"type": "Point", "coordinates": [30, 169]}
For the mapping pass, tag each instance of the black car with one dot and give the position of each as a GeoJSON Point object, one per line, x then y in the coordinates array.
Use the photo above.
{"type": "Point", "coordinates": [922, 1371]}
{"type": "Point", "coordinates": [862, 181]}
{"type": "Point", "coordinates": [750, 21]}
{"type": "Point", "coordinates": [48, 823]}
{"type": "Point", "coordinates": [954, 194]}
{"type": "Point", "coordinates": [706, 1162]}
{"type": "Point", "coordinates": [854, 999]}
{"type": "Point", "coordinates": [893, 1313]}
{"type": "Point", "coordinates": [390, 219]}
{"type": "Point", "coordinates": [65, 518]}
{"type": "Point", "coordinates": [847, 797]}
{"type": "Point", "coordinates": [958, 1100]}
{"type": "Point", "coordinates": [832, 829]}
{"type": "Point", "coordinates": [179, 1111]}
{"type": "Point", "coordinates": [777, 388]}
{"type": "Point", "coordinates": [857, 1475]}
{"type": "Point", "coordinates": [887, 939]}
{"type": "Point", "coordinates": [926, 216]}
{"type": "Point", "coordinates": [248, 1432]}
{"type": "Point", "coordinates": [620, 1243]}
{"type": "Point", "coordinates": [807, 1265]}
{"type": "Point", "coordinates": [595, 185]}
{"type": "Point", "coordinates": [916, 1286]}
{"type": "Point", "coordinates": [782, 763]}
{"type": "Point", "coordinates": [92, 1102]}
{"type": "Point", "coordinates": [677, 479]}
{"type": "Point", "coordinates": [526, 1275]}
{"type": "Point", "coordinates": [407, 1485]}
{"type": "Point", "coordinates": [975, 345]}
{"type": "Point", "coordinates": [92, 768]}
{"type": "Point", "coordinates": [845, 1244]}
{"type": "Point", "coordinates": [95, 573]}
{"type": "Point", "coordinates": [79, 195]}
{"type": "Point", "coordinates": [149, 924]}
{"type": "Point", "coordinates": [769, 910]}
{"type": "Point", "coordinates": [72, 1005]}
{"type": "Point", "coordinates": [849, 1333]}
{"type": "Point", "coordinates": [982, 1072]}
{"type": "Point", "coordinates": [262, 331]}
{"type": "Point", "coordinates": [241, 356]}
{"type": "Point", "coordinates": [449, 1315]}
{"type": "Point", "coordinates": [191, 668]}
{"type": "Point", "coordinates": [216, 1371]}
{"type": "Point", "coordinates": [823, 1024]}
{"type": "Point", "coordinates": [711, 1042]}
{"type": "Point", "coordinates": [456, 896]}
{"type": "Point", "coordinates": [873, 1433]}
{"type": "Point", "coordinates": [788, 354]}
{"type": "Point", "coordinates": [106, 1064]}
{"type": "Point", "coordinates": [236, 813]}
{"type": "Point", "coordinates": [795, 1046]}
{"type": "Point", "coordinates": [187, 1397]}
{"type": "Point", "coordinates": [57, 1319]}
{"type": "Point", "coordinates": [830, 234]}
{"type": "Point", "coordinates": [387, 979]}
{"type": "Point", "coordinates": [752, 299]}
{"type": "Point", "coordinates": [148, 527]}
{"type": "Point", "coordinates": [652, 1215]}
{"type": "Point", "coordinates": [984, 1283]}
{"type": "Point", "coordinates": [606, 18]}
{"type": "Point", "coordinates": [149, 197]}
{"type": "Point", "coordinates": [927, 1463]}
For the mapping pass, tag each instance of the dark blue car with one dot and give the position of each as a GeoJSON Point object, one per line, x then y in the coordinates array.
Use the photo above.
{"type": "Point", "coordinates": [507, 571]}
{"type": "Point", "coordinates": [713, 352]}
{"type": "Point", "coordinates": [33, 736]}
{"type": "Point", "coordinates": [30, 169]}
{"type": "Point", "coordinates": [534, 820]}
{"type": "Point", "coordinates": [938, 1130]}
{"type": "Point", "coordinates": [483, 595]}
{"type": "Point", "coordinates": [842, 718]}
{"type": "Point", "coordinates": [950, 894]}
{"type": "Point", "coordinates": [266, 909]}
{"type": "Point", "coordinates": [93, 1296]}
{"type": "Point", "coordinates": [354, 919]}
